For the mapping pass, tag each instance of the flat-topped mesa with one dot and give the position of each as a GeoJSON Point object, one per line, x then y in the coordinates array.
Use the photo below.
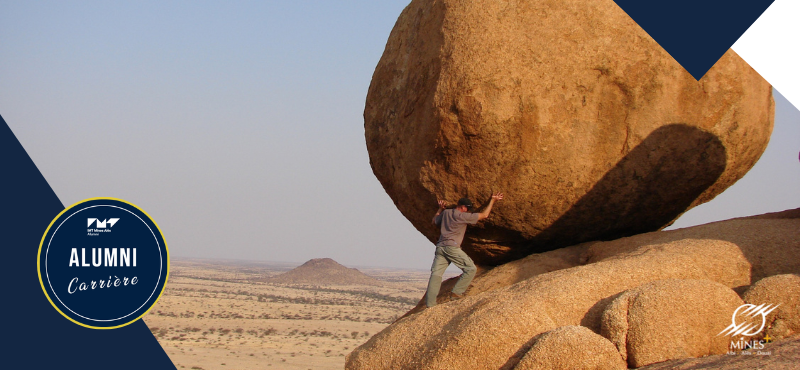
{"type": "Point", "coordinates": [587, 125]}
{"type": "Point", "coordinates": [324, 271]}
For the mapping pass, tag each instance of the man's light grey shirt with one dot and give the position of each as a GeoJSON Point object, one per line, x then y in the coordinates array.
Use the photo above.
{"type": "Point", "coordinates": [453, 225]}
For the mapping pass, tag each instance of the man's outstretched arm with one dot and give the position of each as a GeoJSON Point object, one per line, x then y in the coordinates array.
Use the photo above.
{"type": "Point", "coordinates": [488, 210]}
{"type": "Point", "coordinates": [442, 205]}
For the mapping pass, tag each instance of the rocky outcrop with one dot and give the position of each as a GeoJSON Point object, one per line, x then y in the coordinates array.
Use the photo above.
{"type": "Point", "coordinates": [779, 355]}
{"type": "Point", "coordinates": [753, 247]}
{"type": "Point", "coordinates": [590, 128]}
{"type": "Point", "coordinates": [571, 347]}
{"type": "Point", "coordinates": [783, 291]}
{"type": "Point", "coordinates": [324, 271]}
{"type": "Point", "coordinates": [511, 304]}
{"type": "Point", "coordinates": [670, 319]}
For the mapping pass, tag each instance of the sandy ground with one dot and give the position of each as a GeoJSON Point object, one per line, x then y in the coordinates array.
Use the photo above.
{"type": "Point", "coordinates": [217, 315]}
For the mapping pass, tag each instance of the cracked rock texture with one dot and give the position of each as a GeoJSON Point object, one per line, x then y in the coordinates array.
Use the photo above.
{"type": "Point", "coordinates": [590, 128]}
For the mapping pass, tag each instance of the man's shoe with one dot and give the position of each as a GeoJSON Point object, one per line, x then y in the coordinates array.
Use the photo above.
{"type": "Point", "coordinates": [455, 297]}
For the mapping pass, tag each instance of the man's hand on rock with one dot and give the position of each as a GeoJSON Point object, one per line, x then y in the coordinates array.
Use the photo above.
{"type": "Point", "coordinates": [497, 196]}
{"type": "Point", "coordinates": [442, 204]}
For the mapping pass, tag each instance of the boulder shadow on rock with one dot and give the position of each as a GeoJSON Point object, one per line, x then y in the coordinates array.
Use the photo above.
{"type": "Point", "coordinates": [647, 190]}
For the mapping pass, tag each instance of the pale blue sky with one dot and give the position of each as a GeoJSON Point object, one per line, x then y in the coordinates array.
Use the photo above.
{"type": "Point", "coordinates": [238, 127]}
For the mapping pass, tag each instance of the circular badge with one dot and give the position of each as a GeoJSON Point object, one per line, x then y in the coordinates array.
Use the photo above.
{"type": "Point", "coordinates": [103, 263]}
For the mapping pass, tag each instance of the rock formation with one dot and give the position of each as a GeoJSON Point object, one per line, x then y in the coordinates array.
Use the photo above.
{"type": "Point", "coordinates": [590, 128]}
{"type": "Point", "coordinates": [509, 305]}
{"type": "Point", "coordinates": [324, 271]}
{"type": "Point", "coordinates": [782, 290]}
{"type": "Point", "coordinates": [784, 355]}
{"type": "Point", "coordinates": [670, 319]}
{"type": "Point", "coordinates": [571, 347]}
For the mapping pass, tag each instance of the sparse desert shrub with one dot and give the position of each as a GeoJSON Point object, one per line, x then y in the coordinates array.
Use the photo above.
{"type": "Point", "coordinates": [268, 331]}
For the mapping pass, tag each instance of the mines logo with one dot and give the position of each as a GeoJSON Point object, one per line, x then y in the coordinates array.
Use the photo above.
{"type": "Point", "coordinates": [747, 322]}
{"type": "Point", "coordinates": [103, 263]}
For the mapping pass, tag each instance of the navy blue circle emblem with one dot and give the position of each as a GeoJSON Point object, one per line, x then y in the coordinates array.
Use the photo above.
{"type": "Point", "coordinates": [103, 263]}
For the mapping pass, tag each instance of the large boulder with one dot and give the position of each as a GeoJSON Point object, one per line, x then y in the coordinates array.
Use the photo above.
{"type": "Point", "coordinates": [591, 129]}
{"type": "Point", "coordinates": [670, 319]}
{"type": "Point", "coordinates": [571, 348]}
{"type": "Point", "coordinates": [512, 303]}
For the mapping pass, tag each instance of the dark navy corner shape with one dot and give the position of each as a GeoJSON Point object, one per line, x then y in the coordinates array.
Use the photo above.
{"type": "Point", "coordinates": [696, 33]}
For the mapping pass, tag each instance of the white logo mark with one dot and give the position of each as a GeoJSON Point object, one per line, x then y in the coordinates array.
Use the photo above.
{"type": "Point", "coordinates": [746, 328]}
{"type": "Point", "coordinates": [102, 224]}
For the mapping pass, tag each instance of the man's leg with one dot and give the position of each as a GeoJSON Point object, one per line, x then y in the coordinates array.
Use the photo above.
{"type": "Point", "coordinates": [440, 264]}
{"type": "Point", "coordinates": [462, 261]}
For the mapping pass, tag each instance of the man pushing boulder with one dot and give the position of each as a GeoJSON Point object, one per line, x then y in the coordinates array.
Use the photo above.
{"type": "Point", "coordinates": [453, 224]}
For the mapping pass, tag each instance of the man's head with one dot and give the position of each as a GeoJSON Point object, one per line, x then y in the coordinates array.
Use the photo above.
{"type": "Point", "coordinates": [464, 205]}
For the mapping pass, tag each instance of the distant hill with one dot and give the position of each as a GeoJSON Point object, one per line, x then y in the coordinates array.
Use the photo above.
{"type": "Point", "coordinates": [324, 271]}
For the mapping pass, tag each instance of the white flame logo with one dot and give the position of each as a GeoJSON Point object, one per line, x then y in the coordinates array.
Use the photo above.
{"type": "Point", "coordinates": [746, 328]}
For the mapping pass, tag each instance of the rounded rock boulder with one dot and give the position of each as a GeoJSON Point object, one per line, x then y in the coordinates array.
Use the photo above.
{"type": "Point", "coordinates": [670, 319]}
{"type": "Point", "coordinates": [587, 125]}
{"type": "Point", "coordinates": [571, 347]}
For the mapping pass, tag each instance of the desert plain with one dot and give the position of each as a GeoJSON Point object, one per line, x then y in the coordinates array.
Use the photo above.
{"type": "Point", "coordinates": [218, 314]}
